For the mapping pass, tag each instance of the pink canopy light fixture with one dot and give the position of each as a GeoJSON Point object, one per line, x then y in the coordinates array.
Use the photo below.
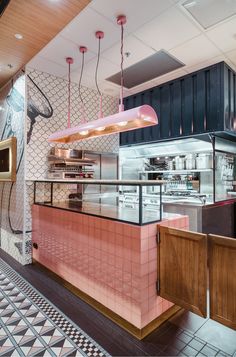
{"type": "Point", "coordinates": [124, 120]}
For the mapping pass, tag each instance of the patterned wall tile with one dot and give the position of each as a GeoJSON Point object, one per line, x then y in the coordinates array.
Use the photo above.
{"type": "Point", "coordinates": [47, 94]}
{"type": "Point", "coordinates": [55, 90]}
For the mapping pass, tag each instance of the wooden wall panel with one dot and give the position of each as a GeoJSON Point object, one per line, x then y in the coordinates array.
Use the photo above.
{"type": "Point", "coordinates": [222, 261]}
{"type": "Point", "coordinates": [183, 269]}
{"type": "Point", "coordinates": [38, 21]}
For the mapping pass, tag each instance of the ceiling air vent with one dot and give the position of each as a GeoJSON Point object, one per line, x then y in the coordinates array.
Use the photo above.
{"type": "Point", "coordinates": [151, 67]}
{"type": "Point", "coordinates": [3, 6]}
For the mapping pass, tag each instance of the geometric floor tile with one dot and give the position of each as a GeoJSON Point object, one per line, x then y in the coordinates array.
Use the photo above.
{"type": "Point", "coordinates": [30, 325]}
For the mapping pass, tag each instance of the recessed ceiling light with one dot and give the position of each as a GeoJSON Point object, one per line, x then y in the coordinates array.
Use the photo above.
{"type": "Point", "coordinates": [18, 36]}
{"type": "Point", "coordinates": [1, 109]}
{"type": "Point", "coordinates": [210, 12]}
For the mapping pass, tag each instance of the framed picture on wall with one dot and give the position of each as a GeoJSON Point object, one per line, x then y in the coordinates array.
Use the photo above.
{"type": "Point", "coordinates": [8, 159]}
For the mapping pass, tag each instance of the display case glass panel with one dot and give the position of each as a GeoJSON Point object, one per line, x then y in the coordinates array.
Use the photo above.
{"type": "Point", "coordinates": [134, 202]}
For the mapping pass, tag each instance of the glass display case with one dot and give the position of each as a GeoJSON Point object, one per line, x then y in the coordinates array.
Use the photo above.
{"type": "Point", "coordinates": [192, 170]}
{"type": "Point", "coordinates": [186, 175]}
{"type": "Point", "coordinates": [225, 169]}
{"type": "Point", "coordinates": [130, 201]}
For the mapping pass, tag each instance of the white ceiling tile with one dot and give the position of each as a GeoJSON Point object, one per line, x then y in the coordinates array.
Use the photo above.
{"type": "Point", "coordinates": [210, 12]}
{"type": "Point", "coordinates": [82, 30]}
{"type": "Point", "coordinates": [137, 49]}
{"type": "Point", "coordinates": [44, 65]}
{"type": "Point", "coordinates": [109, 88]}
{"type": "Point", "coordinates": [232, 57]}
{"type": "Point", "coordinates": [138, 12]}
{"type": "Point", "coordinates": [209, 62]}
{"type": "Point", "coordinates": [59, 48]}
{"type": "Point", "coordinates": [105, 69]}
{"type": "Point", "coordinates": [196, 50]}
{"type": "Point", "coordinates": [169, 30]}
{"type": "Point", "coordinates": [224, 35]}
{"type": "Point", "coordinates": [87, 81]}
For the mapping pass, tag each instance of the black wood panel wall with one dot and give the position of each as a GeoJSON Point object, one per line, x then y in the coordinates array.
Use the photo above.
{"type": "Point", "coordinates": [229, 99]}
{"type": "Point", "coordinates": [187, 106]}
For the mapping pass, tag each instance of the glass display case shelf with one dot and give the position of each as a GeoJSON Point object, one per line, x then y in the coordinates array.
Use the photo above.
{"type": "Point", "coordinates": [103, 198]}
{"type": "Point", "coordinates": [174, 171]}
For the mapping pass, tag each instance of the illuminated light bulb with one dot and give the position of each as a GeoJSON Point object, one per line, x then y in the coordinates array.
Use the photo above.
{"type": "Point", "coordinates": [147, 119]}
{"type": "Point", "coordinates": [18, 36]}
{"type": "Point", "coordinates": [122, 123]}
{"type": "Point", "coordinates": [83, 132]}
{"type": "Point", "coordinates": [101, 128]}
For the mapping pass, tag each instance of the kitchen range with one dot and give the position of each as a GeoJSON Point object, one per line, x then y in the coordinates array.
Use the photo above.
{"type": "Point", "coordinates": [197, 176]}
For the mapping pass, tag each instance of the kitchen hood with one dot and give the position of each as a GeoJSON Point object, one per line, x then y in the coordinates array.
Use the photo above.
{"type": "Point", "coordinates": [174, 147]}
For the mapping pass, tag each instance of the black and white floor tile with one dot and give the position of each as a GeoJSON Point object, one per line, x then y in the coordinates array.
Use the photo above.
{"type": "Point", "coordinates": [30, 325]}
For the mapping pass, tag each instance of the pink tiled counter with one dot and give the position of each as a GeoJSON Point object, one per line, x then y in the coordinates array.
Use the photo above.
{"type": "Point", "coordinates": [113, 262]}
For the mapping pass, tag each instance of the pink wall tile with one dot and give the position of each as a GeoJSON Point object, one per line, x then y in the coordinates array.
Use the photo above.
{"type": "Point", "coordinates": [152, 229]}
{"type": "Point", "coordinates": [144, 244]}
{"type": "Point", "coordinates": [144, 232]}
{"type": "Point", "coordinates": [152, 254]}
{"type": "Point", "coordinates": [144, 257]}
{"type": "Point", "coordinates": [115, 263]}
{"type": "Point", "coordinates": [152, 243]}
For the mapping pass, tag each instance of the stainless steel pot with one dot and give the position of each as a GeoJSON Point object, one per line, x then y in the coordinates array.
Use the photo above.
{"type": "Point", "coordinates": [204, 161]}
{"type": "Point", "coordinates": [179, 163]}
{"type": "Point", "coordinates": [190, 162]}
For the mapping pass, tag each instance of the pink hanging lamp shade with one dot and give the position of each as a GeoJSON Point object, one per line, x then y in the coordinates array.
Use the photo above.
{"type": "Point", "coordinates": [124, 120]}
{"type": "Point", "coordinates": [136, 118]}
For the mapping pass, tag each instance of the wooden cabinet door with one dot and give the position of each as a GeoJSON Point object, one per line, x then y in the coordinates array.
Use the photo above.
{"type": "Point", "coordinates": [183, 269]}
{"type": "Point", "coordinates": [222, 269]}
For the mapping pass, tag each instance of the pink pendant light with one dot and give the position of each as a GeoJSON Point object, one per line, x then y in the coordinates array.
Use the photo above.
{"type": "Point", "coordinates": [70, 61]}
{"type": "Point", "coordinates": [82, 50]}
{"type": "Point", "coordinates": [99, 35]}
{"type": "Point", "coordinates": [124, 120]}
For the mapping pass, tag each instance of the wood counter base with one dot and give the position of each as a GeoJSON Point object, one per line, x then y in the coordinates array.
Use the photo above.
{"type": "Point", "coordinates": [112, 263]}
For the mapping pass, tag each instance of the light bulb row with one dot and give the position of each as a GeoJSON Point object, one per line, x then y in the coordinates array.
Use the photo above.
{"type": "Point", "coordinates": [101, 128]}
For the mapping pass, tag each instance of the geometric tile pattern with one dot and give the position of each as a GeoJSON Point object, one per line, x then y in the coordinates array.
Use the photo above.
{"type": "Point", "coordinates": [56, 91]}
{"type": "Point", "coordinates": [30, 325]}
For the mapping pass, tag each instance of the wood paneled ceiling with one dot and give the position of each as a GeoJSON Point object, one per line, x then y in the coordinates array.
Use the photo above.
{"type": "Point", "coordinates": [38, 21]}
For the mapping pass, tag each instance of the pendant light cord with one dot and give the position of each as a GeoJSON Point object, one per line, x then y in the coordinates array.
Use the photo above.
{"type": "Point", "coordinates": [69, 97]}
{"type": "Point", "coordinates": [80, 79]}
{"type": "Point", "coordinates": [121, 68]}
{"type": "Point", "coordinates": [96, 72]}
{"type": "Point", "coordinates": [99, 36]}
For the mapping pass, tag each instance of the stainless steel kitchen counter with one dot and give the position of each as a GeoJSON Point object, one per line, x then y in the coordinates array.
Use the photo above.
{"type": "Point", "coordinates": [216, 218]}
